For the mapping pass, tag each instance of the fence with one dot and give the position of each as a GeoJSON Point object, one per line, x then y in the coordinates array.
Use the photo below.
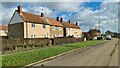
{"type": "Point", "coordinates": [21, 44]}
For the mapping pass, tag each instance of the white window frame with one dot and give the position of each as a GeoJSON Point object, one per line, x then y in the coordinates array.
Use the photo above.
{"type": "Point", "coordinates": [5, 31]}
{"type": "Point", "coordinates": [60, 35]}
{"type": "Point", "coordinates": [44, 36]}
{"type": "Point", "coordinates": [53, 28]}
{"type": "Point", "coordinates": [54, 35]}
{"type": "Point", "coordinates": [68, 28]}
{"type": "Point", "coordinates": [33, 36]}
{"type": "Point", "coordinates": [60, 28]}
{"type": "Point", "coordinates": [33, 25]}
{"type": "Point", "coordinates": [73, 29]}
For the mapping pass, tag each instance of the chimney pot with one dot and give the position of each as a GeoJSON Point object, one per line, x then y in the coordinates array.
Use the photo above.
{"type": "Point", "coordinates": [76, 23]}
{"type": "Point", "coordinates": [61, 20]}
{"type": "Point", "coordinates": [42, 14]}
{"type": "Point", "coordinates": [69, 21]}
{"type": "Point", "coordinates": [20, 9]}
{"type": "Point", "coordinates": [57, 18]}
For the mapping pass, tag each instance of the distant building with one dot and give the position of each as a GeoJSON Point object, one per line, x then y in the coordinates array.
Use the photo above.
{"type": "Point", "coordinates": [108, 32]}
{"type": "Point", "coordinates": [92, 34]}
{"type": "Point", "coordinates": [3, 31]}
{"type": "Point", "coordinates": [113, 34]}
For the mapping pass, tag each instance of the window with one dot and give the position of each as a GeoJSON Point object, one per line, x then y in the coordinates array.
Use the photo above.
{"type": "Point", "coordinates": [60, 28]}
{"type": "Point", "coordinates": [11, 37]}
{"type": "Point", "coordinates": [44, 36]}
{"type": "Point", "coordinates": [54, 35]}
{"type": "Point", "coordinates": [60, 35]}
{"type": "Point", "coordinates": [53, 27]}
{"type": "Point", "coordinates": [33, 25]}
{"type": "Point", "coordinates": [68, 28]}
{"type": "Point", "coordinates": [5, 31]}
{"type": "Point", "coordinates": [43, 26]}
{"type": "Point", "coordinates": [33, 36]}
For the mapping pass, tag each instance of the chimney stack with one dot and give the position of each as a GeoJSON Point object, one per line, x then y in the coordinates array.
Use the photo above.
{"type": "Point", "coordinates": [61, 20]}
{"type": "Point", "coordinates": [42, 14]}
{"type": "Point", "coordinates": [57, 18]}
{"type": "Point", "coordinates": [20, 9]}
{"type": "Point", "coordinates": [69, 21]}
{"type": "Point", "coordinates": [77, 23]}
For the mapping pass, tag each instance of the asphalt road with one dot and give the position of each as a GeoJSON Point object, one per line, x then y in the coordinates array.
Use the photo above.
{"type": "Point", "coordinates": [104, 54]}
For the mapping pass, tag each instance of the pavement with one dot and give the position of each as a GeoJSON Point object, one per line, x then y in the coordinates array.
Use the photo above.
{"type": "Point", "coordinates": [104, 54]}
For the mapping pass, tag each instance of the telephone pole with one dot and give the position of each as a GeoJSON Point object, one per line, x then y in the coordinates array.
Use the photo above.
{"type": "Point", "coordinates": [99, 25]}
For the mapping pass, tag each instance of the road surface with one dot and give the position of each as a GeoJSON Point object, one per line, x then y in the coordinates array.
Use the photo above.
{"type": "Point", "coordinates": [104, 54]}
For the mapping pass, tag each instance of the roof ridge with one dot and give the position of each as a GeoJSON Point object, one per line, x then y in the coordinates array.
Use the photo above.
{"type": "Point", "coordinates": [47, 19]}
{"type": "Point", "coordinates": [38, 19]}
{"type": "Point", "coordinates": [72, 25]}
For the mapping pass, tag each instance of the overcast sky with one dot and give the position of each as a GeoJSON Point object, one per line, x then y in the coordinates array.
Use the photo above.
{"type": "Point", "coordinates": [87, 12]}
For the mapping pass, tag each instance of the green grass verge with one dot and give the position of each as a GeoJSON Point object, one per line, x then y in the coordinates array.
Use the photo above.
{"type": "Point", "coordinates": [24, 58]}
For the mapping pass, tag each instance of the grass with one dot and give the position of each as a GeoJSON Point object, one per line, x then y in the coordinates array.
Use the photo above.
{"type": "Point", "coordinates": [24, 58]}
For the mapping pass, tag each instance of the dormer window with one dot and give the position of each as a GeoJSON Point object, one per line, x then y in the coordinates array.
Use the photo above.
{"type": "Point", "coordinates": [33, 25]}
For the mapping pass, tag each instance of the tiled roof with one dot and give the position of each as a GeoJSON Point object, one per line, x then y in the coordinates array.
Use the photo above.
{"type": "Point", "coordinates": [2, 27]}
{"type": "Point", "coordinates": [38, 19]}
{"type": "Point", "coordinates": [33, 18]}
{"type": "Point", "coordinates": [84, 33]}
{"type": "Point", "coordinates": [54, 22]}
{"type": "Point", "coordinates": [94, 30]}
{"type": "Point", "coordinates": [70, 25]}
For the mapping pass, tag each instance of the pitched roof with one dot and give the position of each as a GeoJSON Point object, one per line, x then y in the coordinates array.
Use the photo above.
{"type": "Point", "coordinates": [70, 25]}
{"type": "Point", "coordinates": [54, 22]}
{"type": "Point", "coordinates": [94, 30]}
{"type": "Point", "coordinates": [38, 19]}
{"type": "Point", "coordinates": [33, 18]}
{"type": "Point", "coordinates": [2, 27]}
{"type": "Point", "coordinates": [84, 33]}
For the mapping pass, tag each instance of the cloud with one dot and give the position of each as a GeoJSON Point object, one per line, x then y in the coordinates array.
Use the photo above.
{"type": "Point", "coordinates": [68, 7]}
{"type": "Point", "coordinates": [58, 0]}
{"type": "Point", "coordinates": [90, 18]}
{"type": "Point", "coordinates": [37, 8]}
{"type": "Point", "coordinates": [75, 11]}
{"type": "Point", "coordinates": [7, 11]}
{"type": "Point", "coordinates": [46, 0]}
{"type": "Point", "coordinates": [6, 15]}
{"type": "Point", "coordinates": [40, 9]}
